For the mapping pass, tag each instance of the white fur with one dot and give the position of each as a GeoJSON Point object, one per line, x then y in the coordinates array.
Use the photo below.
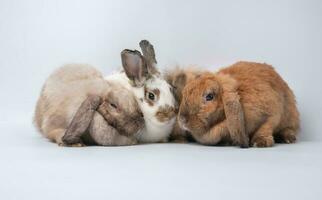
{"type": "Point", "coordinates": [154, 131]}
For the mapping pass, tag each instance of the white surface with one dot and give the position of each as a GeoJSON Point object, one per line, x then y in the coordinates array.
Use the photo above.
{"type": "Point", "coordinates": [32, 168]}
{"type": "Point", "coordinates": [37, 36]}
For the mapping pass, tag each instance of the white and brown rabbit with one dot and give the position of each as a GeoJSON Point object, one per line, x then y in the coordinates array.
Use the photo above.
{"type": "Point", "coordinates": [77, 106]}
{"type": "Point", "coordinates": [152, 92]}
{"type": "Point", "coordinates": [246, 101]}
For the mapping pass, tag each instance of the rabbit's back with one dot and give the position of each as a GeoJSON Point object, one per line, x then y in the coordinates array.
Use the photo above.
{"type": "Point", "coordinates": [62, 94]}
{"type": "Point", "coordinates": [264, 93]}
{"type": "Point", "coordinates": [253, 75]}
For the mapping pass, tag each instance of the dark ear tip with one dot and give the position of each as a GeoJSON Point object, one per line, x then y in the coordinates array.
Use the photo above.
{"type": "Point", "coordinates": [129, 51]}
{"type": "Point", "coordinates": [144, 43]}
{"type": "Point", "coordinates": [126, 51]}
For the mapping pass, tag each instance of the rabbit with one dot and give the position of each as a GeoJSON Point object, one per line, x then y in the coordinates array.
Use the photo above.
{"type": "Point", "coordinates": [152, 92]}
{"type": "Point", "coordinates": [178, 78]}
{"type": "Point", "coordinates": [77, 106]}
{"type": "Point", "coordinates": [245, 104]}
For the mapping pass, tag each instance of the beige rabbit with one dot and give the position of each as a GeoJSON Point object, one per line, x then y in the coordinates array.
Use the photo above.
{"type": "Point", "coordinates": [246, 101]}
{"type": "Point", "coordinates": [78, 106]}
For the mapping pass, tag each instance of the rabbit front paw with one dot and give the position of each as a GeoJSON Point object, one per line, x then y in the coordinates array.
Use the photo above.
{"type": "Point", "coordinates": [262, 141]}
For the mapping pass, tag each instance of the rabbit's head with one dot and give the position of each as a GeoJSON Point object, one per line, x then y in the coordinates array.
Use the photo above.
{"type": "Point", "coordinates": [154, 94]}
{"type": "Point", "coordinates": [121, 110]}
{"type": "Point", "coordinates": [201, 106]}
{"type": "Point", "coordinates": [210, 99]}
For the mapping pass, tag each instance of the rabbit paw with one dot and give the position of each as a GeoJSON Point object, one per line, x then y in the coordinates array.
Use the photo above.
{"type": "Point", "coordinates": [263, 141]}
{"type": "Point", "coordinates": [286, 136]}
{"type": "Point", "coordinates": [289, 139]}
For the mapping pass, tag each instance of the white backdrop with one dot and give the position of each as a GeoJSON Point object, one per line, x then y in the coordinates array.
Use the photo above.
{"type": "Point", "coordinates": [37, 36]}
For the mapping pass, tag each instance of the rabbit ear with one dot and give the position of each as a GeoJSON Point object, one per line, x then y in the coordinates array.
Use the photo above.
{"type": "Point", "coordinates": [180, 80]}
{"type": "Point", "coordinates": [134, 66]}
{"type": "Point", "coordinates": [234, 112]}
{"type": "Point", "coordinates": [81, 120]}
{"type": "Point", "coordinates": [149, 56]}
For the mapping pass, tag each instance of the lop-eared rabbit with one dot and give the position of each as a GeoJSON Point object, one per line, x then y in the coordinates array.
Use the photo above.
{"type": "Point", "coordinates": [244, 103]}
{"type": "Point", "coordinates": [77, 106]}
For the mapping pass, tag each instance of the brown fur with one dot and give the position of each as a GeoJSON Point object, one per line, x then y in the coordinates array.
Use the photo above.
{"type": "Point", "coordinates": [266, 106]}
{"type": "Point", "coordinates": [113, 138]}
{"type": "Point", "coordinates": [65, 105]}
{"type": "Point", "coordinates": [128, 118]}
{"type": "Point", "coordinates": [165, 113]}
{"type": "Point", "coordinates": [178, 78]}
{"type": "Point", "coordinates": [81, 120]}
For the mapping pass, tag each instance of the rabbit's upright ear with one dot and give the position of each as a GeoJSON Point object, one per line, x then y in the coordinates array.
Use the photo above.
{"type": "Point", "coordinates": [149, 56]}
{"type": "Point", "coordinates": [134, 66]}
{"type": "Point", "coordinates": [234, 111]}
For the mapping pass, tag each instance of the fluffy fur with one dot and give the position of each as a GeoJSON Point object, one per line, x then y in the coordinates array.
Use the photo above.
{"type": "Point", "coordinates": [143, 78]}
{"type": "Point", "coordinates": [246, 101]}
{"type": "Point", "coordinates": [178, 78]}
{"type": "Point", "coordinates": [76, 101]}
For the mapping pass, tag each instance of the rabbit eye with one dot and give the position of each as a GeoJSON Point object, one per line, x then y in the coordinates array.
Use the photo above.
{"type": "Point", "coordinates": [151, 96]}
{"type": "Point", "coordinates": [210, 97]}
{"type": "Point", "coordinates": [113, 105]}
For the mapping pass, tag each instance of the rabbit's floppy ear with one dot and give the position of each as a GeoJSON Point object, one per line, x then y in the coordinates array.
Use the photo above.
{"type": "Point", "coordinates": [81, 120]}
{"type": "Point", "coordinates": [149, 56]}
{"type": "Point", "coordinates": [134, 66]}
{"type": "Point", "coordinates": [233, 111]}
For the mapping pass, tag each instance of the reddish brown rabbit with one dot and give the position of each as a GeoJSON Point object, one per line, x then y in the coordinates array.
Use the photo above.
{"type": "Point", "coordinates": [246, 101]}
